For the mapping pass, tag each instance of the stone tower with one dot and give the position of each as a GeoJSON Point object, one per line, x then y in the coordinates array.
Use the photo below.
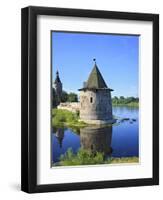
{"type": "Point", "coordinates": [95, 100]}
{"type": "Point", "coordinates": [57, 89]}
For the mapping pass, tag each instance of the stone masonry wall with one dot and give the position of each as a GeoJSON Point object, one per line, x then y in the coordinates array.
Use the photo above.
{"type": "Point", "coordinates": [95, 105]}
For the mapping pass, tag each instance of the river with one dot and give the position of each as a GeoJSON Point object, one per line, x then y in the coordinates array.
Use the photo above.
{"type": "Point", "coordinates": [118, 140]}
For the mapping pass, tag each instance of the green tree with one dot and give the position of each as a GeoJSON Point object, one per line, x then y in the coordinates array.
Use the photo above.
{"type": "Point", "coordinates": [115, 97]}
{"type": "Point", "coordinates": [64, 97]}
{"type": "Point", "coordinates": [115, 100]}
{"type": "Point", "coordinates": [122, 98]}
{"type": "Point", "coordinates": [72, 97]}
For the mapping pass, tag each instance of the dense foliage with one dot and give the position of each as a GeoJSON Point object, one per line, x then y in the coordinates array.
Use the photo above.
{"type": "Point", "coordinates": [72, 97]}
{"type": "Point", "coordinates": [64, 96]}
{"type": "Point", "coordinates": [69, 97]}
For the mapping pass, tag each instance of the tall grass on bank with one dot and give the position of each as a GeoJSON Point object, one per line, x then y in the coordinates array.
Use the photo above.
{"type": "Point", "coordinates": [63, 118]}
{"type": "Point", "coordinates": [85, 157]}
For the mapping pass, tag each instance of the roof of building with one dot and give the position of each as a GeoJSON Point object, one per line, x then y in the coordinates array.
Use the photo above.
{"type": "Point", "coordinates": [57, 79]}
{"type": "Point", "coordinates": [95, 80]}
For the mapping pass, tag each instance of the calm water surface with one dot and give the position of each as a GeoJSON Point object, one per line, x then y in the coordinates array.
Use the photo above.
{"type": "Point", "coordinates": [120, 140]}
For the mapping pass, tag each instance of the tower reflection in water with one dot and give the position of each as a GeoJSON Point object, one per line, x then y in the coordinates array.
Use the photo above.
{"type": "Point", "coordinates": [94, 139]}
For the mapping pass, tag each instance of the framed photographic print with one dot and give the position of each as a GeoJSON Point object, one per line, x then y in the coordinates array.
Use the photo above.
{"type": "Point", "coordinates": [90, 99]}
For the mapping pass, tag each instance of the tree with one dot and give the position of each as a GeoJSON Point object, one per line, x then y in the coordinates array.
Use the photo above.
{"type": "Point", "coordinates": [115, 100]}
{"type": "Point", "coordinates": [54, 98]}
{"type": "Point", "coordinates": [72, 97]}
{"type": "Point", "coordinates": [122, 98]}
{"type": "Point", "coordinates": [64, 97]}
{"type": "Point", "coordinates": [115, 97]}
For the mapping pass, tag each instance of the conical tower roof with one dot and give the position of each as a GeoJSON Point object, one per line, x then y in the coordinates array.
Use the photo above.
{"type": "Point", "coordinates": [95, 80]}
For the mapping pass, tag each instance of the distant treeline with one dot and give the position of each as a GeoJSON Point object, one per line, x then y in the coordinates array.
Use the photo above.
{"type": "Point", "coordinates": [129, 101]}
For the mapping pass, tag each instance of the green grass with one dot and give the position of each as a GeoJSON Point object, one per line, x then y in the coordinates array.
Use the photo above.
{"type": "Point", "coordinates": [61, 118]}
{"type": "Point", "coordinates": [85, 157]}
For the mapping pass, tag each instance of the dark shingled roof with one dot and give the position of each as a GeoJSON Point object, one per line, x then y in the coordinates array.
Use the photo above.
{"type": "Point", "coordinates": [57, 79]}
{"type": "Point", "coordinates": [95, 80]}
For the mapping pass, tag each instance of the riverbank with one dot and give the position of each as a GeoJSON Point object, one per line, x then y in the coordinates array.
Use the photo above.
{"type": "Point", "coordinates": [62, 118]}
{"type": "Point", "coordinates": [132, 104]}
{"type": "Point", "coordinates": [65, 118]}
{"type": "Point", "coordinates": [85, 157]}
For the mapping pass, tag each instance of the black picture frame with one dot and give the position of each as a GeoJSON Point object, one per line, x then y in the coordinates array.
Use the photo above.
{"type": "Point", "coordinates": [29, 99]}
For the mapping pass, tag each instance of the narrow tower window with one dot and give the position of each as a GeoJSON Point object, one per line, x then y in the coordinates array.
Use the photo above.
{"type": "Point", "coordinates": [91, 100]}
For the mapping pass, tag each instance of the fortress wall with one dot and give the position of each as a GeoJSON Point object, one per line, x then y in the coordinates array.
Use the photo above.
{"type": "Point", "coordinates": [70, 106]}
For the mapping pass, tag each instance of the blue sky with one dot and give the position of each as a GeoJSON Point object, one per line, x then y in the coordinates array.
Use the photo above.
{"type": "Point", "coordinates": [116, 57]}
